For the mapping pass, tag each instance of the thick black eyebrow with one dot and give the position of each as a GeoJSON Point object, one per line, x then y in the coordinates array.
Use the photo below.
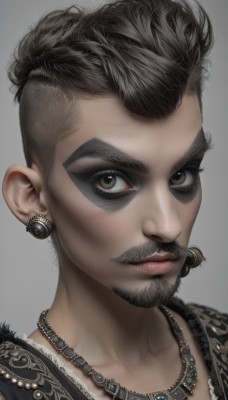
{"type": "Point", "coordinates": [97, 148]}
{"type": "Point", "coordinates": [197, 150]}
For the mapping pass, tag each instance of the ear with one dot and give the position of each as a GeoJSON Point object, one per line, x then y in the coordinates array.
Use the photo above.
{"type": "Point", "coordinates": [23, 192]}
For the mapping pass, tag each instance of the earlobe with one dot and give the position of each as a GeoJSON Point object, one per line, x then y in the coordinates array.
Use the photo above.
{"type": "Point", "coordinates": [22, 188]}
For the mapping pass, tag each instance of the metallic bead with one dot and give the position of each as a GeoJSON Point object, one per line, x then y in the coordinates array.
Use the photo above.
{"type": "Point", "coordinates": [7, 376]}
{"type": "Point", "coordinates": [34, 386]}
{"type": "Point", "coordinates": [14, 380]}
{"type": "Point", "coordinates": [27, 386]}
{"type": "Point", "coordinates": [37, 395]}
{"type": "Point", "coordinates": [20, 384]}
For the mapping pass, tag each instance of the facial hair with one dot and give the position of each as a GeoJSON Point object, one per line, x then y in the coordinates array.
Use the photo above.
{"type": "Point", "coordinates": [160, 290]}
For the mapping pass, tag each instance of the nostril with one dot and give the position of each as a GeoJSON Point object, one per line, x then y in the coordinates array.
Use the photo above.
{"type": "Point", "coordinates": [161, 231]}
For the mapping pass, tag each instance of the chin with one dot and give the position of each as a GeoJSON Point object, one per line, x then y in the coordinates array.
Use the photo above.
{"type": "Point", "coordinates": [159, 292]}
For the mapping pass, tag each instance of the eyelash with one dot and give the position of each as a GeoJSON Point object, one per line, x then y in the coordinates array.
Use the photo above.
{"type": "Point", "coordinates": [114, 173]}
{"type": "Point", "coordinates": [195, 170]}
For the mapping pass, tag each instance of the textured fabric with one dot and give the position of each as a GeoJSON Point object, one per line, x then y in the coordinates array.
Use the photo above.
{"type": "Point", "coordinates": [210, 329]}
{"type": "Point", "coordinates": [26, 373]}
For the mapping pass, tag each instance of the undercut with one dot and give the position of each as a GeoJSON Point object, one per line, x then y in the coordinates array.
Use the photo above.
{"type": "Point", "coordinates": [148, 53]}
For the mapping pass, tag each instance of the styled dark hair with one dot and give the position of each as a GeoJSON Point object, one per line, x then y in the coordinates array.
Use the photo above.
{"type": "Point", "coordinates": [147, 52]}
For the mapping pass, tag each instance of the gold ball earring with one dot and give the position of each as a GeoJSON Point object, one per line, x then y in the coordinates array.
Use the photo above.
{"type": "Point", "coordinates": [40, 227]}
{"type": "Point", "coordinates": [193, 260]}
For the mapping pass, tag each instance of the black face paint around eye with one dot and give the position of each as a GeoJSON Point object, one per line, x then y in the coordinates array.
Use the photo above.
{"type": "Point", "coordinates": [111, 200]}
{"type": "Point", "coordinates": [107, 201]}
{"type": "Point", "coordinates": [115, 161]}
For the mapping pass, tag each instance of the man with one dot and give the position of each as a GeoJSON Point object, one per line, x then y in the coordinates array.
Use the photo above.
{"type": "Point", "coordinates": [111, 121]}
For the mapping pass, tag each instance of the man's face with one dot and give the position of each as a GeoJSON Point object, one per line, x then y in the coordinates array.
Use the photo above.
{"type": "Point", "coordinates": [122, 188]}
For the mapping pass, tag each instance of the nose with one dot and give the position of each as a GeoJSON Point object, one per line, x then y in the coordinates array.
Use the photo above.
{"type": "Point", "coordinates": [161, 216]}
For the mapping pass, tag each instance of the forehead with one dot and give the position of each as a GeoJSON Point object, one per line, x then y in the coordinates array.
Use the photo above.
{"type": "Point", "coordinates": [106, 119]}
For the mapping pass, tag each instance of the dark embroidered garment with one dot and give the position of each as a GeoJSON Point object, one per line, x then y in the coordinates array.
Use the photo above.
{"type": "Point", "coordinates": [27, 374]}
{"type": "Point", "coordinates": [210, 328]}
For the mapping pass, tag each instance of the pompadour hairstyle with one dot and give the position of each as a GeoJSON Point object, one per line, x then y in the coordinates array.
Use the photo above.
{"type": "Point", "coordinates": [147, 52]}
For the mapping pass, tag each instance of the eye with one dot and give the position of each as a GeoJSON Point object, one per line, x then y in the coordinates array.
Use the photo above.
{"type": "Point", "coordinates": [182, 178]}
{"type": "Point", "coordinates": [185, 179]}
{"type": "Point", "coordinates": [111, 182]}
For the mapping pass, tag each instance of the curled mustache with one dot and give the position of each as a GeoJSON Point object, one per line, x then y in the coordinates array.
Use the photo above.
{"type": "Point", "coordinates": [138, 253]}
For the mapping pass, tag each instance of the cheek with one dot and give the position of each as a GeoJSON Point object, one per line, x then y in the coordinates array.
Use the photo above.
{"type": "Point", "coordinates": [88, 238]}
{"type": "Point", "coordinates": [190, 212]}
{"type": "Point", "coordinates": [83, 227]}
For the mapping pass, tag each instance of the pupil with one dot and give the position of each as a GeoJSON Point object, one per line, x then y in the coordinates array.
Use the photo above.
{"type": "Point", "coordinates": [108, 181]}
{"type": "Point", "coordinates": [179, 177]}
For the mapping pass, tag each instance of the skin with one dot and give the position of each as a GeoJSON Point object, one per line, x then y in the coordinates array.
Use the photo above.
{"type": "Point", "coordinates": [40, 114]}
{"type": "Point", "coordinates": [153, 211]}
{"type": "Point", "coordinates": [93, 234]}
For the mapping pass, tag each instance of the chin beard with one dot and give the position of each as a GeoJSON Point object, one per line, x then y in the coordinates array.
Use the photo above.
{"type": "Point", "coordinates": [158, 293]}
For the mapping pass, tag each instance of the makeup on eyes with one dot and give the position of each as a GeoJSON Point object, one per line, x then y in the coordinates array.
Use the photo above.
{"type": "Point", "coordinates": [87, 174]}
{"type": "Point", "coordinates": [93, 164]}
{"type": "Point", "coordinates": [100, 150]}
{"type": "Point", "coordinates": [195, 154]}
{"type": "Point", "coordinates": [90, 170]}
{"type": "Point", "coordinates": [190, 164]}
{"type": "Point", "coordinates": [191, 169]}
{"type": "Point", "coordinates": [107, 182]}
{"type": "Point", "coordinates": [96, 149]}
{"type": "Point", "coordinates": [93, 169]}
{"type": "Point", "coordinates": [87, 168]}
{"type": "Point", "coordinates": [96, 161]}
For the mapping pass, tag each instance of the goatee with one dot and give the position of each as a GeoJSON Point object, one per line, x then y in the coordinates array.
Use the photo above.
{"type": "Point", "coordinates": [159, 292]}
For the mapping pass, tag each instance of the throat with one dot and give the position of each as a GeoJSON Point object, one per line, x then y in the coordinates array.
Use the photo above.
{"type": "Point", "coordinates": [184, 383]}
{"type": "Point", "coordinates": [133, 331]}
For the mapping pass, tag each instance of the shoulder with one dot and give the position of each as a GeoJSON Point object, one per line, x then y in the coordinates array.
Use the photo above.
{"type": "Point", "coordinates": [16, 381]}
{"type": "Point", "coordinates": [210, 328]}
{"type": "Point", "coordinates": [214, 321]}
{"type": "Point", "coordinates": [210, 319]}
{"type": "Point", "coordinates": [25, 373]}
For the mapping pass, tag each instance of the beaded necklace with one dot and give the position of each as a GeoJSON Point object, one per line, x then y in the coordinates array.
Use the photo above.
{"type": "Point", "coordinates": [180, 390]}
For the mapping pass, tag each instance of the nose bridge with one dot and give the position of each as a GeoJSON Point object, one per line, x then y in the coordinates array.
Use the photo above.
{"type": "Point", "coordinates": [162, 217]}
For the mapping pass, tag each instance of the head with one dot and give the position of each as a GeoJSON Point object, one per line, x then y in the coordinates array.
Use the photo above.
{"type": "Point", "coordinates": [146, 52]}
{"type": "Point", "coordinates": [126, 82]}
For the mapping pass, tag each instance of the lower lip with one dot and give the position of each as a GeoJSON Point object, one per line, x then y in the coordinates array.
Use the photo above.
{"type": "Point", "coordinates": [156, 267]}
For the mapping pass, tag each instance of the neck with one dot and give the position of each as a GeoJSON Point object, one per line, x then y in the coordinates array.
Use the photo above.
{"type": "Point", "coordinates": [90, 316]}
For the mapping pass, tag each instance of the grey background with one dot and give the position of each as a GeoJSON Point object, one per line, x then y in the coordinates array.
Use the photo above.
{"type": "Point", "coordinates": [28, 268]}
